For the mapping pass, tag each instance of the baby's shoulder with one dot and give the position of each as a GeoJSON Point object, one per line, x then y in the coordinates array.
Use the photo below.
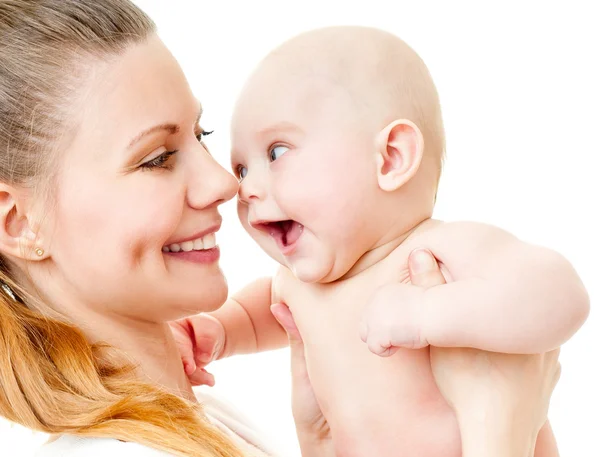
{"type": "Point", "coordinates": [74, 446]}
{"type": "Point", "coordinates": [439, 233]}
{"type": "Point", "coordinates": [462, 246]}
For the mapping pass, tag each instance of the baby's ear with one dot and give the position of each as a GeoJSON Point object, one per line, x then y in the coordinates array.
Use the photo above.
{"type": "Point", "coordinates": [399, 154]}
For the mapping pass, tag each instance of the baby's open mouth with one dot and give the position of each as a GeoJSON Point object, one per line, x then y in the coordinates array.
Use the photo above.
{"type": "Point", "coordinates": [286, 233]}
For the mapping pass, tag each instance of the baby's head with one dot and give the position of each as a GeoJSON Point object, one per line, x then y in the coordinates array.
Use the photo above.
{"type": "Point", "coordinates": [338, 141]}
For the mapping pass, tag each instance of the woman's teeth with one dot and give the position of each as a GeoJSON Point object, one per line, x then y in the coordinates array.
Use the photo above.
{"type": "Point", "coordinates": [201, 244]}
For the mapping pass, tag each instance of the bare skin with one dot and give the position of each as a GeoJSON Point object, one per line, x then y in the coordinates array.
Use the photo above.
{"type": "Point", "coordinates": [501, 400]}
{"type": "Point", "coordinates": [337, 142]}
{"type": "Point", "coordinates": [388, 394]}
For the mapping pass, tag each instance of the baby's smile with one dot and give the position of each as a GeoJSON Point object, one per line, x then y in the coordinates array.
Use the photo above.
{"type": "Point", "coordinates": [286, 233]}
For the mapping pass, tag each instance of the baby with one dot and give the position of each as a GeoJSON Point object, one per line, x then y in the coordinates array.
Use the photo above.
{"type": "Point", "coordinates": [338, 142]}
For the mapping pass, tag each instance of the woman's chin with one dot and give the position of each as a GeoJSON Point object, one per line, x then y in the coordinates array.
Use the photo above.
{"type": "Point", "coordinates": [211, 296]}
{"type": "Point", "coordinates": [204, 297]}
{"type": "Point", "coordinates": [215, 302]}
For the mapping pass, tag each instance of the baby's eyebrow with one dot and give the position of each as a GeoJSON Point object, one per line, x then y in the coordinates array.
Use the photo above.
{"type": "Point", "coordinates": [268, 134]}
{"type": "Point", "coordinates": [280, 127]}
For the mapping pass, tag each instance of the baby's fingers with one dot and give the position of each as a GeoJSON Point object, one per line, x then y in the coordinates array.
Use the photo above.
{"type": "Point", "coordinates": [380, 347]}
{"type": "Point", "coordinates": [185, 346]}
{"type": "Point", "coordinates": [206, 350]}
{"type": "Point", "coordinates": [201, 377]}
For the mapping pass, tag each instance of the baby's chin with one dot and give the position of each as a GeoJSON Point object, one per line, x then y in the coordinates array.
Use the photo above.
{"type": "Point", "coordinates": [317, 264]}
{"type": "Point", "coordinates": [306, 272]}
{"type": "Point", "coordinates": [316, 270]}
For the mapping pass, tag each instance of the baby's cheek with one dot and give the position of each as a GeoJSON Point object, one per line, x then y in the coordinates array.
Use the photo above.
{"type": "Point", "coordinates": [242, 212]}
{"type": "Point", "coordinates": [304, 200]}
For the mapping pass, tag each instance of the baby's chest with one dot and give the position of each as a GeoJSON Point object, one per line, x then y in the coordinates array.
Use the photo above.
{"type": "Point", "coordinates": [329, 315]}
{"type": "Point", "coordinates": [387, 394]}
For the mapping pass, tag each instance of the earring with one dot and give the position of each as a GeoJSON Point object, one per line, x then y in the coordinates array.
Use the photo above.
{"type": "Point", "coordinates": [39, 252]}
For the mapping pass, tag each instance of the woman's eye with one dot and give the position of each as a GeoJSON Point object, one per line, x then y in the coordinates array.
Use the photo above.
{"type": "Point", "coordinates": [161, 161]}
{"type": "Point", "coordinates": [242, 171]}
{"type": "Point", "coordinates": [277, 152]}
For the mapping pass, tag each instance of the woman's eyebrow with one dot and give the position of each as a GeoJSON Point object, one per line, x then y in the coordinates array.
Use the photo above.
{"type": "Point", "coordinates": [171, 128]}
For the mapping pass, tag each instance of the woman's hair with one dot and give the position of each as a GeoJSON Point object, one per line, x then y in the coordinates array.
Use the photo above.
{"type": "Point", "coordinates": [51, 378]}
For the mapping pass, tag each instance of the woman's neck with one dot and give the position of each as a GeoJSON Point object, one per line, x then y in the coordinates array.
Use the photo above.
{"type": "Point", "coordinates": [148, 345]}
{"type": "Point", "coordinates": [152, 348]}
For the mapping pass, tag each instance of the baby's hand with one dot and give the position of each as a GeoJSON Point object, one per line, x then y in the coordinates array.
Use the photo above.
{"type": "Point", "coordinates": [393, 319]}
{"type": "Point", "coordinates": [200, 339]}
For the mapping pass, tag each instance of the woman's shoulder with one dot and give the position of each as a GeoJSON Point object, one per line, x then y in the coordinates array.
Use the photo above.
{"type": "Point", "coordinates": [74, 446]}
{"type": "Point", "coordinates": [234, 424]}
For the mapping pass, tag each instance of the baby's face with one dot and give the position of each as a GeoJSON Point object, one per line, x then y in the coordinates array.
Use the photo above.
{"type": "Point", "coordinates": [307, 175]}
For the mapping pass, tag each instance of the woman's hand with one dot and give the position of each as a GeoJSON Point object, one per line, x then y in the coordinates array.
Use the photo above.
{"type": "Point", "coordinates": [501, 400]}
{"type": "Point", "coordinates": [313, 430]}
{"type": "Point", "coordinates": [498, 398]}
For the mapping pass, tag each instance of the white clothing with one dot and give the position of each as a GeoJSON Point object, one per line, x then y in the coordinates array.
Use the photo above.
{"type": "Point", "coordinates": [221, 414]}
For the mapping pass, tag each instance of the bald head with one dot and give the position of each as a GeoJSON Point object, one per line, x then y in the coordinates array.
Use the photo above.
{"type": "Point", "coordinates": [383, 78]}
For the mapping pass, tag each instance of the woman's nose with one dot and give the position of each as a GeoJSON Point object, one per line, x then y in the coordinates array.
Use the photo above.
{"type": "Point", "coordinates": [210, 184]}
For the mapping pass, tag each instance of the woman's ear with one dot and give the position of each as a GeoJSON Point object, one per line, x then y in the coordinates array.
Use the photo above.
{"type": "Point", "coordinates": [17, 237]}
{"type": "Point", "coordinates": [399, 154]}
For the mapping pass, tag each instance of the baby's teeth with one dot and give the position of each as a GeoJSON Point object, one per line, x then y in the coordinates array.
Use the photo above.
{"type": "Point", "coordinates": [165, 249]}
{"type": "Point", "coordinates": [210, 241]}
{"type": "Point", "coordinates": [175, 247]}
{"type": "Point", "coordinates": [198, 244]}
{"type": "Point", "coordinates": [187, 246]}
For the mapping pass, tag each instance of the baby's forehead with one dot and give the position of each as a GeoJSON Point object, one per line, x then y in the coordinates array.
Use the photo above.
{"type": "Point", "coordinates": [293, 98]}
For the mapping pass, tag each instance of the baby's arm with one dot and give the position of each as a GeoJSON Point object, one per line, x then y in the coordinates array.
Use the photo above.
{"type": "Point", "coordinates": [244, 324]}
{"type": "Point", "coordinates": [248, 322]}
{"type": "Point", "coordinates": [504, 295]}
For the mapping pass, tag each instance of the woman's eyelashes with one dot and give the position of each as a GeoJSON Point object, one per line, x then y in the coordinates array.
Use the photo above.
{"type": "Point", "coordinates": [162, 161]}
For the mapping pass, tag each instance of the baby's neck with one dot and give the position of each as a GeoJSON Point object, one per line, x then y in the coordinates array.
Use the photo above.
{"type": "Point", "coordinates": [386, 246]}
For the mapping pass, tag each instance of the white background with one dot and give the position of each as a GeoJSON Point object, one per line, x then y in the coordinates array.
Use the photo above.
{"type": "Point", "coordinates": [518, 84]}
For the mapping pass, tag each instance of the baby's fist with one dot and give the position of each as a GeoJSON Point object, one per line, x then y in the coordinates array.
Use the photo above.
{"type": "Point", "coordinates": [393, 319]}
{"type": "Point", "coordinates": [200, 339]}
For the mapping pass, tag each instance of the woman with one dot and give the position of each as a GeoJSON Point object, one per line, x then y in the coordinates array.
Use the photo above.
{"type": "Point", "coordinates": [102, 165]}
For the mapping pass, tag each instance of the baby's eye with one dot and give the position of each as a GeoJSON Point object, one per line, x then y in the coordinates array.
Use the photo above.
{"type": "Point", "coordinates": [242, 171]}
{"type": "Point", "coordinates": [277, 151]}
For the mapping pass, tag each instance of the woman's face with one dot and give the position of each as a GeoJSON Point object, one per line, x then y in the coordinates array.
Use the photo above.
{"type": "Point", "coordinates": [137, 189]}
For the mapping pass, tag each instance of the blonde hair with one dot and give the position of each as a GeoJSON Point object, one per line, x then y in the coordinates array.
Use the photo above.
{"type": "Point", "coordinates": [51, 378]}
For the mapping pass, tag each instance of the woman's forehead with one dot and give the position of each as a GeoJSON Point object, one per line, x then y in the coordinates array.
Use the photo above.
{"type": "Point", "coordinates": [141, 89]}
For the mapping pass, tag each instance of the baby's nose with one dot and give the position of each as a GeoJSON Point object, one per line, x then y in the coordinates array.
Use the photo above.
{"type": "Point", "coordinates": [252, 187]}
